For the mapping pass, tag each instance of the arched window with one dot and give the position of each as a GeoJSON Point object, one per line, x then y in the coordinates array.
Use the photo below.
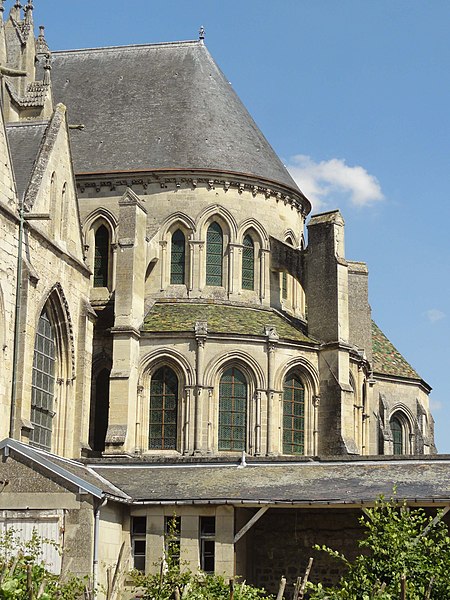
{"type": "Point", "coordinates": [214, 255]}
{"type": "Point", "coordinates": [397, 436]}
{"type": "Point", "coordinates": [232, 410]}
{"type": "Point", "coordinates": [43, 384]}
{"type": "Point", "coordinates": [293, 415]}
{"type": "Point", "coordinates": [163, 410]}
{"type": "Point", "coordinates": [101, 411]}
{"type": "Point", "coordinates": [101, 259]}
{"type": "Point", "coordinates": [178, 258]}
{"type": "Point", "coordinates": [248, 264]}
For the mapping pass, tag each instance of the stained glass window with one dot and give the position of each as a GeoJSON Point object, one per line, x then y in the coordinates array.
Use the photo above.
{"type": "Point", "coordinates": [397, 435]}
{"type": "Point", "coordinates": [101, 259]}
{"type": "Point", "coordinates": [163, 410]}
{"type": "Point", "coordinates": [293, 415]}
{"type": "Point", "coordinates": [43, 384]}
{"type": "Point", "coordinates": [178, 258]}
{"type": "Point", "coordinates": [248, 264]}
{"type": "Point", "coordinates": [232, 410]}
{"type": "Point", "coordinates": [214, 255]}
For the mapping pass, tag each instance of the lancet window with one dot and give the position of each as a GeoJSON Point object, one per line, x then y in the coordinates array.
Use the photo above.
{"type": "Point", "coordinates": [43, 384]}
{"type": "Point", "coordinates": [163, 410]}
{"type": "Point", "coordinates": [214, 255]}
{"type": "Point", "coordinates": [293, 415]}
{"type": "Point", "coordinates": [232, 410]}
{"type": "Point", "coordinates": [178, 258]}
{"type": "Point", "coordinates": [101, 258]}
{"type": "Point", "coordinates": [248, 264]}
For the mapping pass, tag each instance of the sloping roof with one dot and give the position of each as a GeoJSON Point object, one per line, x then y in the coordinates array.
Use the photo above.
{"type": "Point", "coordinates": [70, 471]}
{"type": "Point", "coordinates": [387, 360]}
{"type": "Point", "coordinates": [313, 482]}
{"type": "Point", "coordinates": [158, 106]}
{"type": "Point", "coordinates": [25, 141]}
{"type": "Point", "coordinates": [221, 318]}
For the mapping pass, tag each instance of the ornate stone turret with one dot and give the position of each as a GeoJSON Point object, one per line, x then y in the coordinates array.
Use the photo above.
{"type": "Point", "coordinates": [27, 96]}
{"type": "Point", "coordinates": [42, 48]}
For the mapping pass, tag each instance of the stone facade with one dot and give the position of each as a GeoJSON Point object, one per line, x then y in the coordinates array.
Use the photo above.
{"type": "Point", "coordinates": [159, 302]}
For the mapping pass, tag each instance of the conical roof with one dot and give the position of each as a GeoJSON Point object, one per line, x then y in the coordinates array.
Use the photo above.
{"type": "Point", "coordinates": [159, 106]}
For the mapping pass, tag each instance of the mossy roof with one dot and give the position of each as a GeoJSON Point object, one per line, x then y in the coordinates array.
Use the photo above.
{"type": "Point", "coordinates": [221, 318]}
{"type": "Point", "coordinates": [387, 359]}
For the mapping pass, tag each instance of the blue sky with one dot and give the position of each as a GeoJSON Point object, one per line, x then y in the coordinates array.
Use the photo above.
{"type": "Point", "coordinates": [355, 98]}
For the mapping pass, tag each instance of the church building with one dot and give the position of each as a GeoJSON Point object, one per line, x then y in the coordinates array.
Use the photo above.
{"type": "Point", "coordinates": [179, 332]}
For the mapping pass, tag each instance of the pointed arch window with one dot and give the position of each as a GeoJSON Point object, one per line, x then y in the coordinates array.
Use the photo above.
{"type": "Point", "coordinates": [248, 264]}
{"type": "Point", "coordinates": [293, 415]}
{"type": "Point", "coordinates": [397, 436]}
{"type": "Point", "coordinates": [163, 410]}
{"type": "Point", "coordinates": [214, 255]}
{"type": "Point", "coordinates": [43, 384]}
{"type": "Point", "coordinates": [232, 410]}
{"type": "Point", "coordinates": [101, 259]}
{"type": "Point", "coordinates": [178, 258]}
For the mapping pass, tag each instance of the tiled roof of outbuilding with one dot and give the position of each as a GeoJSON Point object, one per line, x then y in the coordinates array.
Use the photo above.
{"type": "Point", "coordinates": [221, 318]}
{"type": "Point", "coordinates": [307, 482]}
{"type": "Point", "coordinates": [387, 360]}
{"type": "Point", "coordinates": [159, 106]}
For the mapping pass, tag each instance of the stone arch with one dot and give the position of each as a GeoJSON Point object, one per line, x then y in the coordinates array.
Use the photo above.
{"type": "Point", "coordinates": [307, 371]}
{"type": "Point", "coordinates": [174, 221]}
{"type": "Point", "coordinates": [149, 365]}
{"type": "Point", "coordinates": [250, 224]}
{"type": "Point", "coordinates": [249, 365]}
{"type": "Point", "coordinates": [56, 302]}
{"type": "Point", "coordinates": [220, 214]}
{"type": "Point", "coordinates": [166, 356]}
{"type": "Point", "coordinates": [309, 379]}
{"type": "Point", "coordinates": [96, 218]}
{"type": "Point", "coordinates": [290, 235]}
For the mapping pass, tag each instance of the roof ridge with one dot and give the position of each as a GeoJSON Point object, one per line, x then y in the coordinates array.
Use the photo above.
{"type": "Point", "coordinates": [130, 47]}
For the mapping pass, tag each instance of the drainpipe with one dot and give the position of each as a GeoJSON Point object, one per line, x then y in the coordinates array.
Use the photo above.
{"type": "Point", "coordinates": [96, 538]}
{"type": "Point", "coordinates": [17, 322]}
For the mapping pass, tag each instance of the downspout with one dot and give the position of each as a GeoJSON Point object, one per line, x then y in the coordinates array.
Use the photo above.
{"type": "Point", "coordinates": [17, 321]}
{"type": "Point", "coordinates": [96, 538]}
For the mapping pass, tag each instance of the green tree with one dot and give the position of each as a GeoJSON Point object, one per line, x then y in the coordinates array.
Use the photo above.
{"type": "Point", "coordinates": [398, 542]}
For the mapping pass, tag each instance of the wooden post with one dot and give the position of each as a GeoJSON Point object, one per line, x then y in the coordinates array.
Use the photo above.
{"type": "Point", "coordinates": [403, 587]}
{"type": "Point", "coordinates": [281, 589]}
{"type": "Point", "coordinates": [231, 589]}
{"type": "Point", "coordinates": [177, 593]}
{"type": "Point", "coordinates": [297, 588]}
{"type": "Point", "coordinates": [29, 582]}
{"type": "Point", "coordinates": [301, 592]}
{"type": "Point", "coordinates": [428, 592]}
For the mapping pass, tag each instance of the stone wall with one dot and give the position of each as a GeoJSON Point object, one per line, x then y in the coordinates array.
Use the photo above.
{"type": "Point", "coordinates": [281, 542]}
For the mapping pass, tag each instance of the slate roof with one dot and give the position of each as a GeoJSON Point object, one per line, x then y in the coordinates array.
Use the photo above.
{"type": "Point", "coordinates": [313, 482]}
{"type": "Point", "coordinates": [387, 360]}
{"type": "Point", "coordinates": [221, 318]}
{"type": "Point", "coordinates": [70, 471]}
{"type": "Point", "coordinates": [25, 141]}
{"type": "Point", "coordinates": [158, 106]}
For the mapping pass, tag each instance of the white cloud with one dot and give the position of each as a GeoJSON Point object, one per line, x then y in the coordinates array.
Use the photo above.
{"type": "Point", "coordinates": [436, 405]}
{"type": "Point", "coordinates": [434, 315]}
{"type": "Point", "coordinates": [321, 181]}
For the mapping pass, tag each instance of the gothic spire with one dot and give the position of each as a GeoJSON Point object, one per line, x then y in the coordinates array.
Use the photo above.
{"type": "Point", "coordinates": [15, 12]}
{"type": "Point", "coordinates": [41, 42]}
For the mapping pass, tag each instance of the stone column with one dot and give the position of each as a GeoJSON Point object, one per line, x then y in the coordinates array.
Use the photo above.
{"type": "Point", "coordinates": [272, 338]}
{"type": "Point", "coordinates": [129, 314]}
{"type": "Point", "coordinates": [201, 332]}
{"type": "Point", "coordinates": [225, 541]}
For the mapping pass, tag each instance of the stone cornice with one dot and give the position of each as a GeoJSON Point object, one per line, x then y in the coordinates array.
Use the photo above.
{"type": "Point", "coordinates": [174, 180]}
